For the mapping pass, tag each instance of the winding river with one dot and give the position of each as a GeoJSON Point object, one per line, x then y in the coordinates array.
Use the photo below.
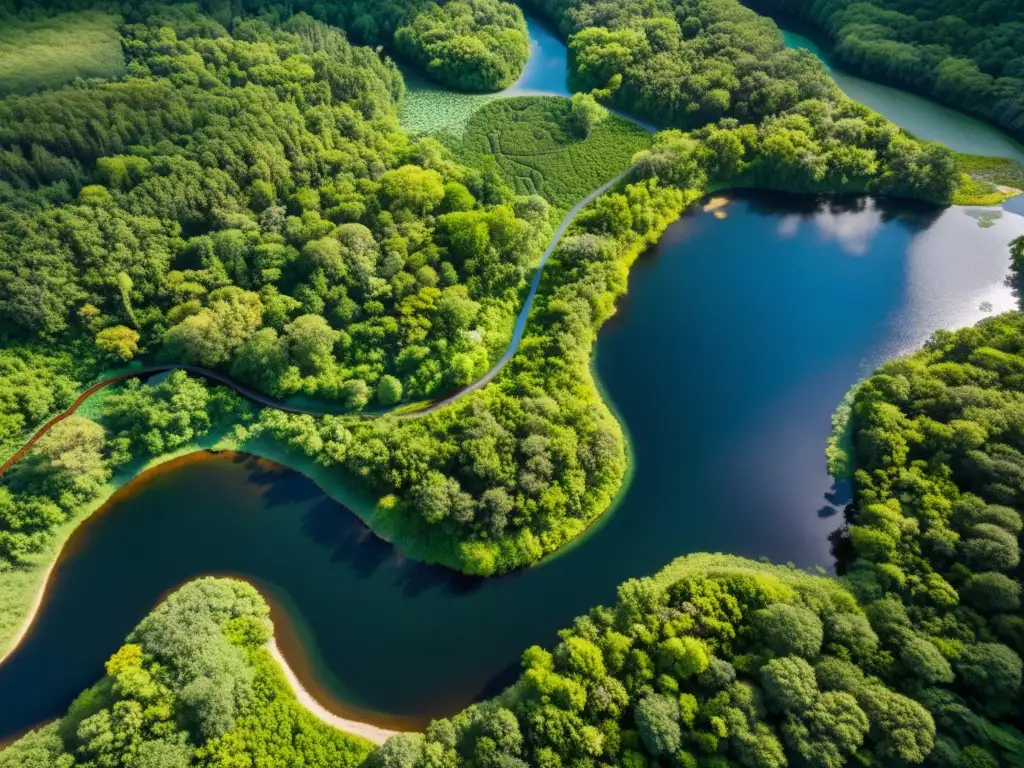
{"type": "Point", "coordinates": [741, 331]}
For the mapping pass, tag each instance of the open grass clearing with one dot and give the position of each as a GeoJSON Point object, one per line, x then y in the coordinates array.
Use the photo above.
{"type": "Point", "coordinates": [51, 52]}
{"type": "Point", "coordinates": [528, 139]}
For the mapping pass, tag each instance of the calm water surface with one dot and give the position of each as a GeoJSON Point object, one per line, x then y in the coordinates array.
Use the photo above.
{"type": "Point", "coordinates": [735, 342]}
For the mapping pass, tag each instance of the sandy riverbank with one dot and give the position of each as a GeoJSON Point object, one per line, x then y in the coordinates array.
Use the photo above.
{"type": "Point", "coordinates": [367, 731]}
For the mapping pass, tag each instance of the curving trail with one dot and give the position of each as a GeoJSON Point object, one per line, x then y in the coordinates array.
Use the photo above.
{"type": "Point", "coordinates": [314, 410]}
{"type": "Point", "coordinates": [520, 327]}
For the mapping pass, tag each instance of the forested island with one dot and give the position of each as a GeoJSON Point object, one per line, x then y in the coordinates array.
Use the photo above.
{"type": "Point", "coordinates": [236, 193]}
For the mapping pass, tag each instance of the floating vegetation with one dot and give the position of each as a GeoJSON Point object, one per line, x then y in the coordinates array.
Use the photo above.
{"type": "Point", "coordinates": [431, 108]}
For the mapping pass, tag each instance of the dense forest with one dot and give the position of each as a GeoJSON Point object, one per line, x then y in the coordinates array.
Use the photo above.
{"type": "Point", "coordinates": [967, 55]}
{"type": "Point", "coordinates": [497, 479]}
{"type": "Point", "coordinates": [72, 463]}
{"type": "Point", "coordinates": [248, 203]}
{"type": "Point", "coordinates": [192, 686]}
{"type": "Point", "coordinates": [472, 45]}
{"type": "Point", "coordinates": [685, 63]}
{"type": "Point", "coordinates": [243, 198]}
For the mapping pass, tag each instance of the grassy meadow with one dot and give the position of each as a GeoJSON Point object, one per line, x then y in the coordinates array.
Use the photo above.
{"type": "Point", "coordinates": [528, 140]}
{"type": "Point", "coordinates": [51, 52]}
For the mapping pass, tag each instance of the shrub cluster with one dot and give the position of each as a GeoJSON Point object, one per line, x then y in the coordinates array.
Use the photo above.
{"type": "Point", "coordinates": [246, 202]}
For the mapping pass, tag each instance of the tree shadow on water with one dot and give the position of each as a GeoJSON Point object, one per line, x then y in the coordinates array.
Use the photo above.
{"type": "Point", "coordinates": [499, 682]}
{"type": "Point", "coordinates": [419, 578]}
{"type": "Point", "coordinates": [332, 526]}
{"type": "Point", "coordinates": [841, 543]}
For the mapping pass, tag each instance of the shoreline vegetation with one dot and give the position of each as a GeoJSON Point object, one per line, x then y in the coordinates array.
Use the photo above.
{"type": "Point", "coordinates": [216, 447]}
{"type": "Point", "coordinates": [988, 180]}
{"type": "Point", "coordinates": [717, 656]}
{"type": "Point", "coordinates": [482, 524]}
{"type": "Point", "coordinates": [201, 669]}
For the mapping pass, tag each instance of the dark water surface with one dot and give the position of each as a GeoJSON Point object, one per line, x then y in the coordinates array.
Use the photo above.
{"type": "Point", "coordinates": [737, 339]}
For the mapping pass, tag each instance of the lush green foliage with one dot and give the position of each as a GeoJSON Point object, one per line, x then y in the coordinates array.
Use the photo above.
{"type": "Point", "coordinates": [284, 231]}
{"type": "Point", "coordinates": [473, 45]}
{"type": "Point", "coordinates": [933, 541]}
{"type": "Point", "coordinates": [685, 63]}
{"type": "Point", "coordinates": [967, 55]}
{"type": "Point", "coordinates": [246, 202]}
{"type": "Point", "coordinates": [822, 146]}
{"type": "Point", "coordinates": [517, 469]}
{"type": "Point", "coordinates": [71, 464]}
{"type": "Point", "coordinates": [513, 471]}
{"type": "Point", "coordinates": [716, 661]}
{"type": "Point", "coordinates": [535, 144]}
{"type": "Point", "coordinates": [50, 52]}
{"type": "Point", "coordinates": [32, 387]}
{"type": "Point", "coordinates": [192, 686]}
{"type": "Point", "coordinates": [915, 657]}
{"type": "Point", "coordinates": [690, 63]}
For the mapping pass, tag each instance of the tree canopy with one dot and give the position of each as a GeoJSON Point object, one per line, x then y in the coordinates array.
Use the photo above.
{"type": "Point", "coordinates": [192, 686]}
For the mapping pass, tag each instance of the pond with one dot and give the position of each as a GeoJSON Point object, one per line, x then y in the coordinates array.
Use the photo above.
{"type": "Point", "coordinates": [736, 341]}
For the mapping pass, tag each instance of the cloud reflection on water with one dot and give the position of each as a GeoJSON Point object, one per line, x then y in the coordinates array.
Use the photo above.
{"type": "Point", "coordinates": [852, 229]}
